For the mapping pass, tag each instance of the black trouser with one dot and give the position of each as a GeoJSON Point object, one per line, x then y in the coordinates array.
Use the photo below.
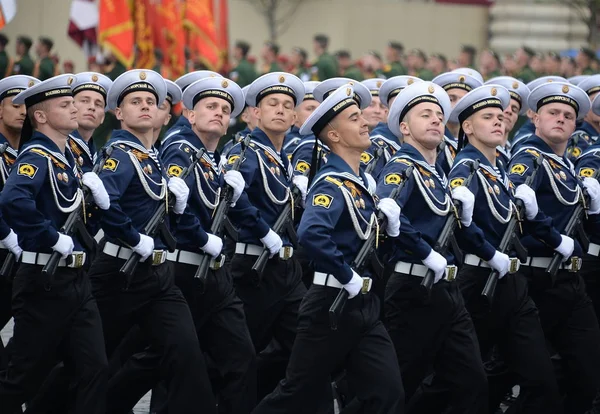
{"type": "Point", "coordinates": [271, 313]}
{"type": "Point", "coordinates": [590, 272]}
{"type": "Point", "coordinates": [570, 326]}
{"type": "Point", "coordinates": [435, 335]}
{"type": "Point", "coordinates": [360, 344]}
{"type": "Point", "coordinates": [5, 305]}
{"type": "Point", "coordinates": [155, 304]}
{"type": "Point", "coordinates": [513, 325]}
{"type": "Point", "coordinates": [62, 323]}
{"type": "Point", "coordinates": [221, 327]}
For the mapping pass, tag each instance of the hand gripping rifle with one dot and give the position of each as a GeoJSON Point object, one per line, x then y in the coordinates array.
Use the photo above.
{"type": "Point", "coordinates": [220, 215]}
{"type": "Point", "coordinates": [157, 224]}
{"type": "Point", "coordinates": [574, 228]}
{"type": "Point", "coordinates": [75, 224]}
{"type": "Point", "coordinates": [446, 238]}
{"type": "Point", "coordinates": [284, 223]}
{"type": "Point", "coordinates": [510, 239]}
{"type": "Point", "coordinates": [378, 154]}
{"type": "Point", "coordinates": [366, 253]}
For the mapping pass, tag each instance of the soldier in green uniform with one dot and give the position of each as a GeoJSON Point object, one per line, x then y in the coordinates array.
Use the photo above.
{"type": "Point", "coordinates": [269, 54]}
{"type": "Point", "coordinates": [584, 61]}
{"type": "Point", "coordinates": [325, 66]}
{"type": "Point", "coordinates": [552, 64]}
{"type": "Point", "coordinates": [4, 58]}
{"type": "Point", "coordinates": [489, 64]}
{"type": "Point", "coordinates": [416, 65]}
{"type": "Point", "coordinates": [437, 64]}
{"type": "Point", "coordinates": [244, 73]}
{"type": "Point", "coordinates": [372, 65]}
{"type": "Point", "coordinates": [466, 58]}
{"type": "Point", "coordinates": [347, 68]}
{"type": "Point", "coordinates": [393, 54]}
{"type": "Point", "coordinates": [23, 63]}
{"type": "Point", "coordinates": [298, 60]}
{"type": "Point", "coordinates": [522, 57]}
{"type": "Point", "coordinates": [44, 67]}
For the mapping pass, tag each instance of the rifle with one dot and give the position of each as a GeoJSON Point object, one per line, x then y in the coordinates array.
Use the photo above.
{"type": "Point", "coordinates": [10, 258]}
{"type": "Point", "coordinates": [220, 215]}
{"type": "Point", "coordinates": [510, 238]}
{"type": "Point", "coordinates": [366, 252]}
{"type": "Point", "coordinates": [378, 154]}
{"type": "Point", "coordinates": [158, 226]}
{"type": "Point", "coordinates": [446, 237]}
{"type": "Point", "coordinates": [75, 224]}
{"type": "Point", "coordinates": [574, 228]}
{"type": "Point", "coordinates": [284, 222]}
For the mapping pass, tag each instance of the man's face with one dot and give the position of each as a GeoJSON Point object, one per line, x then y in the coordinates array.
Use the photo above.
{"type": "Point", "coordinates": [11, 115]}
{"type": "Point", "coordinates": [296, 59]}
{"type": "Point", "coordinates": [316, 47]}
{"type": "Point", "coordinates": [249, 117]}
{"type": "Point", "coordinates": [275, 113]}
{"type": "Point", "coordinates": [265, 52]}
{"type": "Point", "coordinates": [582, 60]}
{"type": "Point", "coordinates": [487, 127]}
{"type": "Point", "coordinates": [210, 117]}
{"type": "Point", "coordinates": [435, 64]}
{"type": "Point", "coordinates": [536, 64]}
{"type": "Point", "coordinates": [60, 114]}
{"type": "Point", "coordinates": [521, 57]}
{"type": "Point", "coordinates": [511, 114]}
{"type": "Point", "coordinates": [304, 110]}
{"type": "Point", "coordinates": [464, 59]}
{"type": "Point", "coordinates": [138, 110]}
{"type": "Point", "coordinates": [391, 55]}
{"type": "Point", "coordinates": [456, 95]}
{"type": "Point", "coordinates": [163, 116]}
{"type": "Point", "coordinates": [237, 53]}
{"type": "Point", "coordinates": [376, 112]}
{"type": "Point", "coordinates": [343, 62]}
{"type": "Point", "coordinates": [551, 65]}
{"type": "Point", "coordinates": [424, 124]}
{"type": "Point", "coordinates": [39, 48]}
{"type": "Point", "coordinates": [350, 128]}
{"type": "Point", "coordinates": [555, 123]}
{"type": "Point", "coordinates": [90, 109]}
{"type": "Point", "coordinates": [20, 48]}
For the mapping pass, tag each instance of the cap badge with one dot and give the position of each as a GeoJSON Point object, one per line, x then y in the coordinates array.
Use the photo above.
{"type": "Point", "coordinates": [461, 78]}
{"type": "Point", "coordinates": [143, 75]}
{"type": "Point", "coordinates": [282, 79]}
{"type": "Point", "coordinates": [94, 78]}
{"type": "Point", "coordinates": [348, 91]}
{"type": "Point", "coordinates": [31, 83]}
{"type": "Point", "coordinates": [565, 89]}
{"type": "Point", "coordinates": [70, 80]}
{"type": "Point", "coordinates": [224, 84]}
{"type": "Point", "coordinates": [431, 89]}
{"type": "Point", "coordinates": [494, 91]}
{"type": "Point", "coordinates": [379, 84]}
{"type": "Point", "coordinates": [409, 82]}
{"type": "Point", "coordinates": [515, 85]}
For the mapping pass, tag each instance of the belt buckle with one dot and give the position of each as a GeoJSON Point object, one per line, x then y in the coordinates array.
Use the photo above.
{"type": "Point", "coordinates": [514, 265]}
{"type": "Point", "coordinates": [77, 260]}
{"type": "Point", "coordinates": [366, 285]}
{"type": "Point", "coordinates": [450, 273]}
{"type": "Point", "coordinates": [158, 257]}
{"type": "Point", "coordinates": [217, 263]}
{"type": "Point", "coordinates": [286, 252]}
{"type": "Point", "coordinates": [575, 264]}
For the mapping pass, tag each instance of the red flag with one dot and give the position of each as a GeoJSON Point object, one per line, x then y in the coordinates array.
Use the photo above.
{"type": "Point", "coordinates": [144, 40]}
{"type": "Point", "coordinates": [169, 36]}
{"type": "Point", "coordinates": [115, 29]}
{"type": "Point", "coordinates": [199, 20]}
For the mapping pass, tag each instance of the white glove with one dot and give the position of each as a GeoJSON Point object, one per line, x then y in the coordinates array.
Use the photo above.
{"type": "Point", "coordinates": [467, 200]}
{"type": "Point", "coordinates": [500, 263]}
{"type": "Point", "coordinates": [236, 181]}
{"type": "Point", "coordinates": [273, 242]}
{"type": "Point", "coordinates": [181, 192]}
{"type": "Point", "coordinates": [301, 182]}
{"type": "Point", "coordinates": [96, 186]}
{"type": "Point", "coordinates": [64, 245]}
{"type": "Point", "coordinates": [392, 212]}
{"type": "Point", "coordinates": [11, 242]}
{"type": "Point", "coordinates": [593, 189]}
{"type": "Point", "coordinates": [213, 246]}
{"type": "Point", "coordinates": [354, 286]}
{"type": "Point", "coordinates": [566, 247]}
{"type": "Point", "coordinates": [527, 196]}
{"type": "Point", "coordinates": [437, 263]}
{"type": "Point", "coordinates": [145, 247]}
{"type": "Point", "coordinates": [371, 183]}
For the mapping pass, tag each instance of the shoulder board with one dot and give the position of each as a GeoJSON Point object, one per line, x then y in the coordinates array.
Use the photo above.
{"type": "Point", "coordinates": [532, 152]}
{"type": "Point", "coordinates": [40, 152]}
{"type": "Point", "coordinates": [45, 154]}
{"type": "Point", "coordinates": [404, 161]}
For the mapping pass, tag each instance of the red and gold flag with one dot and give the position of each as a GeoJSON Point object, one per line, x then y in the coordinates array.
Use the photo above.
{"type": "Point", "coordinates": [199, 20]}
{"type": "Point", "coordinates": [169, 36]}
{"type": "Point", "coordinates": [144, 40]}
{"type": "Point", "coordinates": [115, 29]}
